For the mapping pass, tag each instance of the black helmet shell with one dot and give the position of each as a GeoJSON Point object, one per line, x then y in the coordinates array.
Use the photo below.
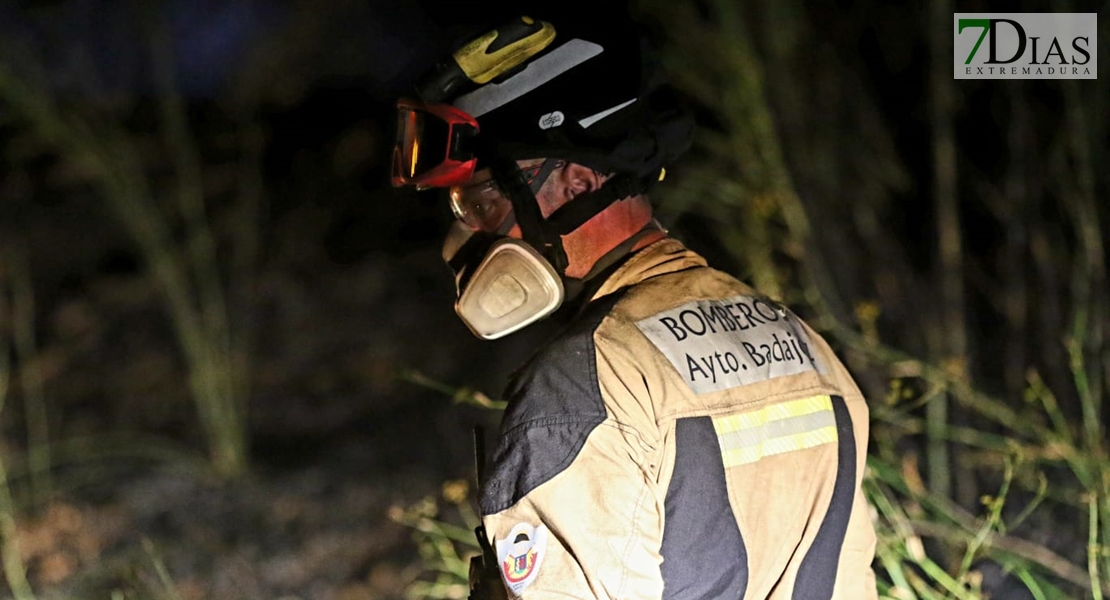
{"type": "Point", "coordinates": [591, 96]}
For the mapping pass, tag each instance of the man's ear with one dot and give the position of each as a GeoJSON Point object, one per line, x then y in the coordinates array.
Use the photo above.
{"type": "Point", "coordinates": [579, 179]}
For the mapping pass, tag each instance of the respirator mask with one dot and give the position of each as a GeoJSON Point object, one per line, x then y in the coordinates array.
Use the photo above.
{"type": "Point", "coordinates": [503, 283]}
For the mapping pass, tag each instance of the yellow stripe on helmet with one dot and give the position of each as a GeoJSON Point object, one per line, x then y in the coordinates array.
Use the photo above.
{"type": "Point", "coordinates": [482, 67]}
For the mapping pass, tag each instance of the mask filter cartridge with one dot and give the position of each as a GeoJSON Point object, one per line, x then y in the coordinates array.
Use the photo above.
{"type": "Point", "coordinates": [511, 288]}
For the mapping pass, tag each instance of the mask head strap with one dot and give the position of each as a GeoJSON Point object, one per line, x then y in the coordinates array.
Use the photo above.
{"type": "Point", "coordinates": [534, 229]}
{"type": "Point", "coordinates": [468, 255]}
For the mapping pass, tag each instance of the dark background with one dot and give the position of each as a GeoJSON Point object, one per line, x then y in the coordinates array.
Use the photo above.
{"type": "Point", "coordinates": [340, 310]}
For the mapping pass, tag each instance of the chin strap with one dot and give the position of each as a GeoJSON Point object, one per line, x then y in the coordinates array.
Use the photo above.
{"type": "Point", "coordinates": [545, 235]}
{"type": "Point", "coordinates": [584, 207]}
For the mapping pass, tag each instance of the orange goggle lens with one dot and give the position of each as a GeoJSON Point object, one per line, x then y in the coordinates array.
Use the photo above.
{"type": "Point", "coordinates": [434, 146]}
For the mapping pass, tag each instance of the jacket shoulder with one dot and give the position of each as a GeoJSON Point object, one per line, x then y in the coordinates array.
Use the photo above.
{"type": "Point", "coordinates": [554, 402]}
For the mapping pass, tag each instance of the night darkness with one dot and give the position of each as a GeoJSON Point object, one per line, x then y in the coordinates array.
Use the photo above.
{"type": "Point", "coordinates": [231, 363]}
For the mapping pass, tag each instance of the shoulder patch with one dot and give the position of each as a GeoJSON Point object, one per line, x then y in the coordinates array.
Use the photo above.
{"type": "Point", "coordinates": [724, 343]}
{"type": "Point", "coordinates": [521, 554]}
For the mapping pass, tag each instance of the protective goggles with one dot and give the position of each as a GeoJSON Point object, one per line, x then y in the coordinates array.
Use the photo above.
{"type": "Point", "coordinates": [482, 206]}
{"type": "Point", "coordinates": [434, 146]}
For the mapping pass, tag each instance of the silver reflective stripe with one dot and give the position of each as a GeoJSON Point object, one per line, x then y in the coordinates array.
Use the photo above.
{"type": "Point", "coordinates": [545, 68]}
{"type": "Point", "coordinates": [782, 427]}
{"type": "Point", "coordinates": [746, 438]}
{"type": "Point", "coordinates": [590, 120]}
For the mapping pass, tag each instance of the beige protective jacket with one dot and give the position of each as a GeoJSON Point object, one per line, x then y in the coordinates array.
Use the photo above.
{"type": "Point", "coordinates": [684, 438]}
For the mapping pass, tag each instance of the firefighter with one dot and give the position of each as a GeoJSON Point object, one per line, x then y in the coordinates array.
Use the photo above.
{"type": "Point", "coordinates": [684, 436]}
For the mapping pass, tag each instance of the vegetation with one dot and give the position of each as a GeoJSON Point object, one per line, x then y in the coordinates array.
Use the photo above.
{"type": "Point", "coordinates": [185, 266]}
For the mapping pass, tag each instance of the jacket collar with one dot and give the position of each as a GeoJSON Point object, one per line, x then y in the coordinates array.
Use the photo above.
{"type": "Point", "coordinates": [668, 255]}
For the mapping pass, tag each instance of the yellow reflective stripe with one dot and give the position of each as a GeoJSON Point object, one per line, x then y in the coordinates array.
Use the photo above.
{"type": "Point", "coordinates": [795, 425]}
{"type": "Point", "coordinates": [775, 412]}
{"type": "Point", "coordinates": [798, 441]}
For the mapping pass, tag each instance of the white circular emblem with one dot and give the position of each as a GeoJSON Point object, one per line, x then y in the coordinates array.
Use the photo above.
{"type": "Point", "coordinates": [553, 119]}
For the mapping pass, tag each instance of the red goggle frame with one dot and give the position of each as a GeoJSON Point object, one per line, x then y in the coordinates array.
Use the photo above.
{"type": "Point", "coordinates": [434, 146]}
